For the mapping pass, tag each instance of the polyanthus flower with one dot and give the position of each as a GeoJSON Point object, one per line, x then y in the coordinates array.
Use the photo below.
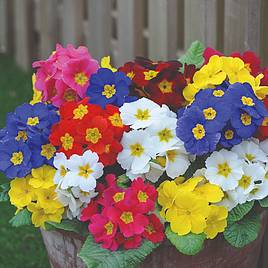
{"type": "Point", "coordinates": [83, 171]}
{"type": "Point", "coordinates": [192, 130]}
{"type": "Point", "coordinates": [129, 242]}
{"type": "Point", "coordinates": [224, 168]}
{"type": "Point", "coordinates": [42, 177]}
{"type": "Point", "coordinates": [229, 136]}
{"type": "Point", "coordinates": [60, 163]}
{"type": "Point", "coordinates": [83, 196]}
{"type": "Point", "coordinates": [138, 150]}
{"type": "Point", "coordinates": [260, 191]}
{"type": "Point", "coordinates": [230, 200]}
{"type": "Point", "coordinates": [108, 87]}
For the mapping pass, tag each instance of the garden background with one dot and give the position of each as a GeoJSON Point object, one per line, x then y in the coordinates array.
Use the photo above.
{"type": "Point", "coordinates": [159, 29]}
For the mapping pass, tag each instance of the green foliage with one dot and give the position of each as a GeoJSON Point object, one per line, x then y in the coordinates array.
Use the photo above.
{"type": "Point", "coordinates": [240, 211]}
{"type": "Point", "coordinates": [23, 217]}
{"type": "Point", "coordinates": [4, 188]}
{"type": "Point", "coordinates": [194, 55]}
{"type": "Point", "coordinates": [264, 202]}
{"type": "Point", "coordinates": [189, 244]}
{"type": "Point", "coordinates": [243, 232]}
{"type": "Point", "coordinates": [95, 256]}
{"type": "Point", "coordinates": [123, 181]}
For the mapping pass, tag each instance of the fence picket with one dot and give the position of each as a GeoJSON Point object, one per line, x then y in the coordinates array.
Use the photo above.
{"type": "Point", "coordinates": [3, 26]}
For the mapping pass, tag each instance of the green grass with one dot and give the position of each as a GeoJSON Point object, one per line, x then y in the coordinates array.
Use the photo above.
{"type": "Point", "coordinates": [19, 247]}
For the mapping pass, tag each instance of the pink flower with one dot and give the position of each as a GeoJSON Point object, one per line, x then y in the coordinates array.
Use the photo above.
{"type": "Point", "coordinates": [77, 72]}
{"type": "Point", "coordinates": [209, 52]}
{"type": "Point", "coordinates": [129, 243]}
{"type": "Point", "coordinates": [89, 211]}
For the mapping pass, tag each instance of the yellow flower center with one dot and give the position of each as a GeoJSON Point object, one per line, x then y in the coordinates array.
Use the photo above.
{"type": "Point", "coordinates": [254, 191]}
{"type": "Point", "coordinates": [118, 196]}
{"type": "Point", "coordinates": [265, 122]}
{"type": "Point", "coordinates": [171, 155]}
{"type": "Point", "coordinates": [199, 132]}
{"type": "Point", "coordinates": [161, 160]}
{"type": "Point", "coordinates": [247, 101]}
{"type": "Point", "coordinates": [84, 193]}
{"type": "Point", "coordinates": [21, 135]}
{"type": "Point", "coordinates": [108, 91]}
{"type": "Point", "coordinates": [116, 120]}
{"type": "Point", "coordinates": [142, 196]}
{"type": "Point", "coordinates": [249, 157]}
{"type": "Point", "coordinates": [109, 227]}
{"type": "Point", "coordinates": [80, 111]}
{"type": "Point", "coordinates": [131, 75]}
{"type": "Point", "coordinates": [245, 119]}
{"type": "Point", "coordinates": [93, 135]}
{"type": "Point", "coordinates": [107, 148]}
{"type": "Point", "coordinates": [244, 182]}
{"type": "Point", "coordinates": [228, 134]}
{"type": "Point", "coordinates": [218, 93]}
{"type": "Point", "coordinates": [80, 78]}
{"type": "Point", "coordinates": [33, 121]}
{"type": "Point", "coordinates": [63, 171]}
{"type": "Point", "coordinates": [150, 74]}
{"type": "Point", "coordinates": [165, 135]}
{"type": "Point", "coordinates": [69, 95]}
{"type": "Point", "coordinates": [165, 87]}
{"type": "Point", "coordinates": [48, 151]}
{"type": "Point", "coordinates": [67, 141]}
{"type": "Point", "coordinates": [136, 149]}
{"type": "Point", "coordinates": [149, 228]}
{"type": "Point", "coordinates": [17, 158]}
{"type": "Point", "coordinates": [127, 217]}
{"type": "Point", "coordinates": [143, 114]}
{"type": "Point", "coordinates": [247, 66]}
{"type": "Point", "coordinates": [209, 113]}
{"type": "Point", "coordinates": [224, 169]}
{"type": "Point", "coordinates": [85, 171]}
{"type": "Point", "coordinates": [266, 175]}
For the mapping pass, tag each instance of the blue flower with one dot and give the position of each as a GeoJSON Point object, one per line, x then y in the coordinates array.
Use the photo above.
{"type": "Point", "coordinates": [229, 137]}
{"type": "Point", "coordinates": [107, 87]}
{"type": "Point", "coordinates": [15, 159]}
{"type": "Point", "coordinates": [214, 107]}
{"type": "Point", "coordinates": [192, 130]}
{"type": "Point", "coordinates": [248, 112]}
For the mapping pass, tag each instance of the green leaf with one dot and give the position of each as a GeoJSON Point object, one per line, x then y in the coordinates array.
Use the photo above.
{"type": "Point", "coordinates": [264, 202]}
{"type": "Point", "coordinates": [4, 188]}
{"type": "Point", "coordinates": [241, 233]}
{"type": "Point", "coordinates": [194, 55]}
{"type": "Point", "coordinates": [95, 256]}
{"type": "Point", "coordinates": [189, 244]}
{"type": "Point", "coordinates": [240, 211]}
{"type": "Point", "coordinates": [23, 217]}
{"type": "Point", "coordinates": [122, 181]}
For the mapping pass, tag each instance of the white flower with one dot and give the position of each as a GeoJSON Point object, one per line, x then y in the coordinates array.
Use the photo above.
{"type": "Point", "coordinates": [83, 171]}
{"type": "Point", "coordinates": [264, 146]}
{"type": "Point", "coordinates": [60, 163]}
{"type": "Point", "coordinates": [224, 168]}
{"type": "Point", "coordinates": [167, 112]}
{"type": "Point", "coordinates": [163, 134]}
{"type": "Point", "coordinates": [155, 172]}
{"type": "Point", "coordinates": [141, 113]}
{"type": "Point", "coordinates": [138, 150]}
{"type": "Point", "coordinates": [259, 192]}
{"type": "Point", "coordinates": [229, 200]}
{"type": "Point", "coordinates": [250, 151]}
{"type": "Point", "coordinates": [200, 172]}
{"type": "Point", "coordinates": [84, 197]}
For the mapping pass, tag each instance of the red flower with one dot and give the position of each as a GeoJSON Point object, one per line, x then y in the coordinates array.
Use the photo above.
{"type": "Point", "coordinates": [263, 129]}
{"type": "Point", "coordinates": [252, 62]}
{"type": "Point", "coordinates": [130, 221]}
{"type": "Point", "coordinates": [129, 243]}
{"type": "Point", "coordinates": [209, 52]}
{"type": "Point", "coordinates": [64, 136]}
{"type": "Point", "coordinates": [114, 195]}
{"type": "Point", "coordinates": [142, 195]}
{"type": "Point", "coordinates": [89, 211]}
{"type": "Point", "coordinates": [154, 231]}
{"type": "Point", "coordinates": [264, 81]}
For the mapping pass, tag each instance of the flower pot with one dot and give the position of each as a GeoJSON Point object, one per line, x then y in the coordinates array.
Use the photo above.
{"type": "Point", "coordinates": [63, 247]}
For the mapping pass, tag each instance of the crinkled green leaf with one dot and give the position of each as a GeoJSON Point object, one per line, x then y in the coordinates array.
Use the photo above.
{"type": "Point", "coordinates": [94, 255]}
{"type": "Point", "coordinates": [189, 244]}
{"type": "Point", "coordinates": [23, 217]}
{"type": "Point", "coordinates": [194, 55]}
{"type": "Point", "coordinates": [264, 202]}
{"type": "Point", "coordinates": [241, 233]}
{"type": "Point", "coordinates": [4, 188]}
{"type": "Point", "coordinates": [240, 211]}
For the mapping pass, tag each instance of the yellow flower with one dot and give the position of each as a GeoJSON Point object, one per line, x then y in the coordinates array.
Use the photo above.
{"type": "Point", "coordinates": [40, 216]}
{"type": "Point", "coordinates": [216, 221]}
{"type": "Point", "coordinates": [260, 91]}
{"type": "Point", "coordinates": [21, 193]}
{"type": "Point", "coordinates": [43, 177]}
{"type": "Point", "coordinates": [210, 74]}
{"type": "Point", "coordinates": [190, 184]}
{"type": "Point", "coordinates": [190, 91]}
{"type": "Point", "coordinates": [212, 193]}
{"type": "Point", "coordinates": [106, 63]}
{"type": "Point", "coordinates": [37, 95]}
{"type": "Point", "coordinates": [47, 199]}
{"type": "Point", "coordinates": [188, 215]}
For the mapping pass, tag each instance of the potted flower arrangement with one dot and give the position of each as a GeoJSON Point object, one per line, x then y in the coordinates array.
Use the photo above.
{"type": "Point", "coordinates": [145, 164]}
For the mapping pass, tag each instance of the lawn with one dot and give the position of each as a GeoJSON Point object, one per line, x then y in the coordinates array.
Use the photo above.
{"type": "Point", "coordinates": [19, 247]}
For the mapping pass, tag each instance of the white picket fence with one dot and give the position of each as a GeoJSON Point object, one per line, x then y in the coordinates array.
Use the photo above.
{"type": "Point", "coordinates": [159, 29]}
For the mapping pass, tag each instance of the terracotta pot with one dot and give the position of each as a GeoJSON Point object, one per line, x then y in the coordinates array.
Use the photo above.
{"type": "Point", "coordinates": [63, 247]}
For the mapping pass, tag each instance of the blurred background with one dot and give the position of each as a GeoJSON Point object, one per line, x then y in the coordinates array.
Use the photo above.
{"type": "Point", "coordinates": [123, 29]}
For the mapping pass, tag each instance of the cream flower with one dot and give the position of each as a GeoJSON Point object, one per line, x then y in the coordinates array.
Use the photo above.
{"type": "Point", "coordinates": [230, 200]}
{"type": "Point", "coordinates": [224, 168]}
{"type": "Point", "coordinates": [259, 191]}
{"type": "Point", "coordinates": [60, 163]}
{"type": "Point", "coordinates": [84, 197]}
